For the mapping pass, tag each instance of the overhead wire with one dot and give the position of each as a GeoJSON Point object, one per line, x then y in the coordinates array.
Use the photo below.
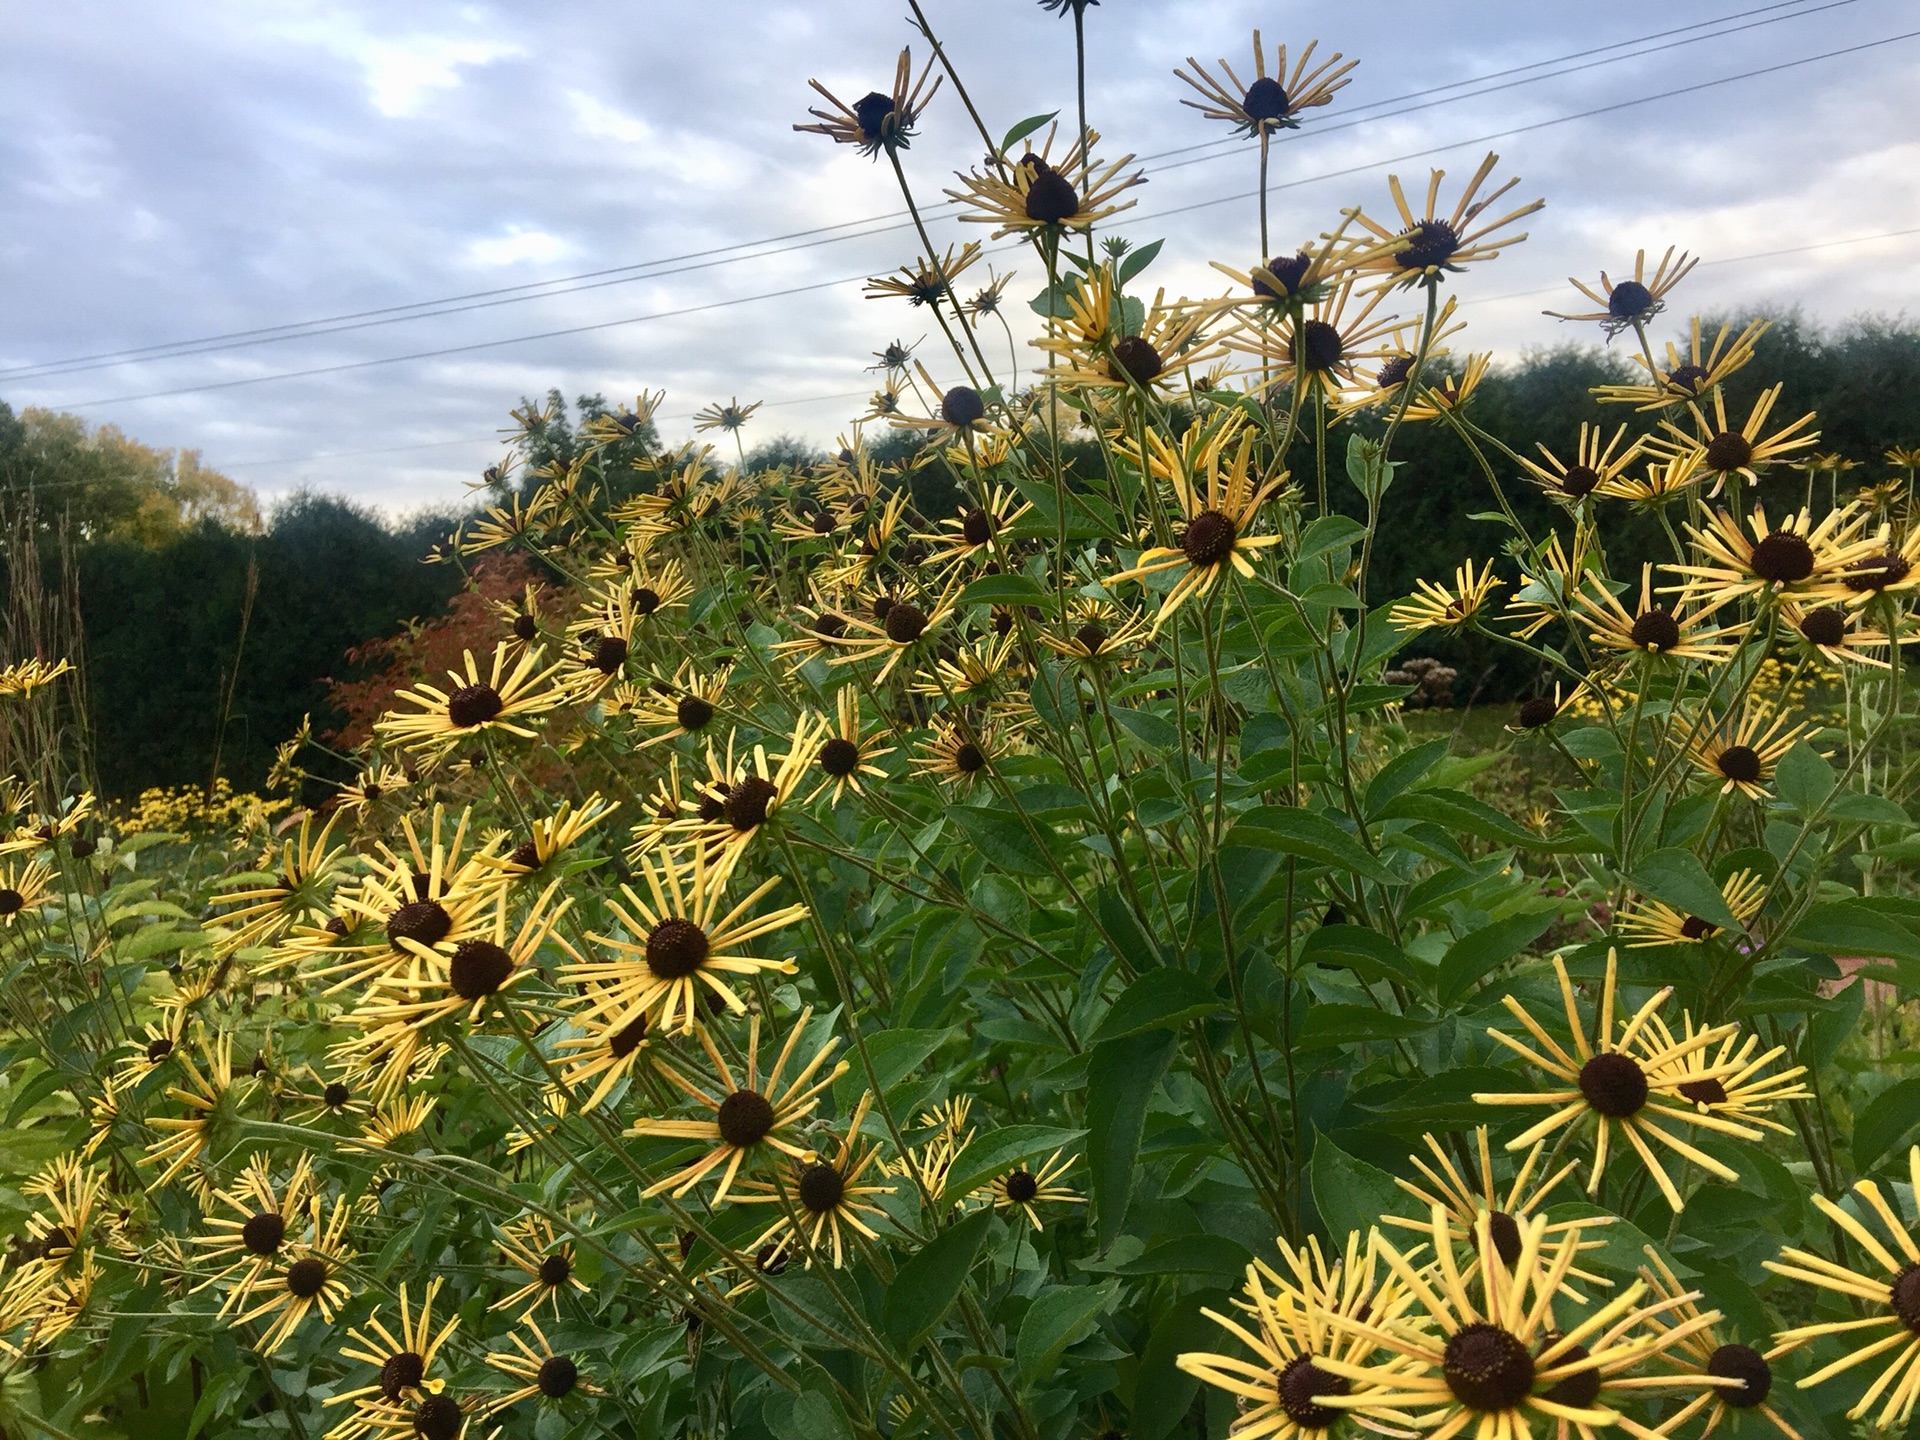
{"type": "Point", "coordinates": [1133, 218]}
{"type": "Point", "coordinates": [886, 223]}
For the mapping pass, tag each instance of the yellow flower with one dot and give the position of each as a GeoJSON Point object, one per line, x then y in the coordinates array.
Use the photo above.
{"type": "Point", "coordinates": [1033, 194]}
{"type": "Point", "coordinates": [927, 281]}
{"type": "Point", "coordinates": [1218, 520]}
{"type": "Point", "coordinates": [1677, 632]}
{"type": "Point", "coordinates": [829, 1193]}
{"type": "Point", "coordinates": [311, 1278]}
{"type": "Point", "coordinates": [1652, 922]}
{"type": "Point", "coordinates": [682, 943]}
{"type": "Point", "coordinates": [545, 1373]}
{"type": "Point", "coordinates": [847, 753]}
{"type": "Point", "coordinates": [1626, 1082]}
{"type": "Point", "coordinates": [1271, 102]}
{"type": "Point", "coordinates": [1888, 1303]}
{"type": "Point", "coordinates": [531, 1247]}
{"type": "Point", "coordinates": [1689, 379]}
{"type": "Point", "coordinates": [1430, 243]}
{"type": "Point", "coordinates": [1288, 1391]}
{"type": "Point", "coordinates": [1593, 465]}
{"type": "Point", "coordinates": [472, 706]}
{"type": "Point", "coordinates": [262, 1218]}
{"type": "Point", "coordinates": [1742, 756]}
{"type": "Point", "coordinates": [746, 1113]}
{"type": "Point", "coordinates": [1022, 1189]}
{"type": "Point", "coordinates": [1632, 303]}
{"type": "Point", "coordinates": [729, 417]}
{"type": "Point", "coordinates": [1745, 451]}
{"type": "Point", "coordinates": [1435, 607]}
{"type": "Point", "coordinates": [876, 121]}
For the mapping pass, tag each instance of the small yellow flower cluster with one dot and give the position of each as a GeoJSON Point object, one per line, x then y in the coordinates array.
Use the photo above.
{"type": "Point", "coordinates": [190, 809]}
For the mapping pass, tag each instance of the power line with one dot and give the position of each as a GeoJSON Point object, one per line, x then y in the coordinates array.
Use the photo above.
{"type": "Point", "coordinates": [855, 394]}
{"type": "Point", "coordinates": [1130, 219]}
{"type": "Point", "coordinates": [833, 234]}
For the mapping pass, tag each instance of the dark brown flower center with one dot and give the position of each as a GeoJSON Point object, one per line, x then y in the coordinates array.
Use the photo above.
{"type": "Point", "coordinates": [1316, 346]}
{"type": "Point", "coordinates": [1051, 198]}
{"type": "Point", "coordinates": [831, 625]}
{"type": "Point", "coordinates": [744, 1118]}
{"type": "Point", "coordinates": [1614, 1084]}
{"type": "Point", "coordinates": [1694, 928]}
{"type": "Point", "coordinates": [627, 1038]}
{"type": "Point", "coordinates": [557, 1377]}
{"type": "Point", "coordinates": [425, 922]}
{"type": "Point", "coordinates": [1729, 451]}
{"type": "Point", "coordinates": [306, 1278]}
{"type": "Point", "coordinates": [335, 1096]}
{"type": "Point", "coordinates": [1429, 243]}
{"type": "Point", "coordinates": [1504, 1231]}
{"type": "Point", "coordinates": [1782, 558]}
{"type": "Point", "coordinates": [1825, 626]}
{"type": "Point", "coordinates": [1687, 378]}
{"type": "Point", "coordinates": [1265, 101]}
{"type": "Point", "coordinates": [1876, 572]}
{"type": "Point", "coordinates": [525, 627]}
{"type": "Point", "coordinates": [555, 1270]}
{"type": "Point", "coordinates": [1580, 1389]}
{"type": "Point", "coordinates": [871, 112]}
{"type": "Point", "coordinates": [472, 705]}
{"type": "Point", "coordinates": [1288, 271]}
{"type": "Point", "coordinates": [1750, 1367]}
{"type": "Point", "coordinates": [1630, 300]}
{"type": "Point", "coordinates": [1655, 629]}
{"type": "Point", "coordinates": [904, 623]}
{"type": "Point", "coordinates": [609, 655]}
{"type": "Point", "coordinates": [438, 1417]}
{"type": "Point", "coordinates": [1904, 1296]}
{"type": "Point", "coordinates": [1740, 763]}
{"type": "Point", "coordinates": [1705, 1091]}
{"type": "Point", "coordinates": [1135, 357]}
{"type": "Point", "coordinates": [962, 406]}
{"type": "Point", "coordinates": [1487, 1368]}
{"type": "Point", "coordinates": [713, 803]}
{"type": "Point", "coordinates": [692, 713]}
{"type": "Point", "coordinates": [676, 948]}
{"type": "Point", "coordinates": [770, 1259]}
{"type": "Point", "coordinates": [839, 756]}
{"type": "Point", "coordinates": [1091, 636]}
{"type": "Point", "coordinates": [1022, 1187]}
{"type": "Point", "coordinates": [1300, 1387]}
{"type": "Point", "coordinates": [1209, 538]}
{"type": "Point", "coordinates": [158, 1049]}
{"type": "Point", "coordinates": [977, 527]}
{"type": "Point", "coordinates": [1394, 372]}
{"type": "Point", "coordinates": [402, 1372]}
{"type": "Point", "coordinates": [524, 856]}
{"type": "Point", "coordinates": [1579, 481]}
{"type": "Point", "coordinates": [821, 1188]}
{"type": "Point", "coordinates": [749, 801]}
{"type": "Point", "coordinates": [644, 599]}
{"type": "Point", "coordinates": [263, 1233]}
{"type": "Point", "coordinates": [478, 968]}
{"type": "Point", "coordinates": [1538, 711]}
{"type": "Point", "coordinates": [969, 758]}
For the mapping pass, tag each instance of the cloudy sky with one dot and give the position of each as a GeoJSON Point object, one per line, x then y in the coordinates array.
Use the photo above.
{"type": "Point", "coordinates": [480, 201]}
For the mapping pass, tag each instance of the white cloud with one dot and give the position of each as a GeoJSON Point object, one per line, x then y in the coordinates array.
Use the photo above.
{"type": "Point", "coordinates": [515, 246]}
{"type": "Point", "coordinates": [401, 73]}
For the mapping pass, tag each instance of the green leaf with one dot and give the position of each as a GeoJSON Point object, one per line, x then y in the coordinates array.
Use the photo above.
{"type": "Point", "coordinates": [1329, 532]}
{"type": "Point", "coordinates": [1162, 999]}
{"type": "Point", "coordinates": [1889, 1118]}
{"type": "Point", "coordinates": [1678, 878]}
{"type": "Point", "coordinates": [1163, 1393]}
{"type": "Point", "coordinates": [1470, 959]}
{"type": "Point", "coordinates": [1004, 590]}
{"type": "Point", "coordinates": [816, 1416]}
{"type": "Point", "coordinates": [1191, 1255]}
{"type": "Point", "coordinates": [1350, 1194]}
{"type": "Point", "coordinates": [1459, 811]}
{"type": "Point", "coordinates": [1851, 927]}
{"type": "Point", "coordinates": [896, 1054]}
{"type": "Point", "coordinates": [1149, 729]}
{"type": "Point", "coordinates": [1400, 773]}
{"type": "Point", "coordinates": [1054, 695]}
{"type": "Point", "coordinates": [1138, 260]}
{"type": "Point", "coordinates": [999, 1151]}
{"type": "Point", "coordinates": [1054, 1321]}
{"type": "Point", "coordinates": [1803, 778]}
{"type": "Point", "coordinates": [1367, 466]}
{"type": "Point", "coordinates": [1870, 810]}
{"type": "Point", "coordinates": [925, 1288]}
{"type": "Point", "coordinates": [1121, 1078]}
{"type": "Point", "coordinates": [1002, 838]}
{"type": "Point", "coordinates": [1025, 128]}
{"type": "Point", "coordinates": [1367, 953]}
{"type": "Point", "coordinates": [1309, 835]}
{"type": "Point", "coordinates": [1332, 1024]}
